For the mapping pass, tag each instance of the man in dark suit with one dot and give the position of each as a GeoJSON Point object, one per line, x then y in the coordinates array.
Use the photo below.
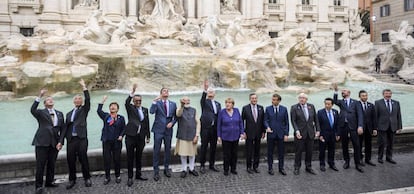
{"type": "Point", "coordinates": [276, 121]}
{"type": "Point", "coordinates": [328, 121]}
{"type": "Point", "coordinates": [47, 140]}
{"type": "Point", "coordinates": [209, 113]}
{"type": "Point", "coordinates": [77, 137]}
{"type": "Point", "coordinates": [351, 122]}
{"type": "Point", "coordinates": [137, 134]}
{"type": "Point", "coordinates": [389, 122]}
{"type": "Point", "coordinates": [370, 127]}
{"type": "Point", "coordinates": [252, 116]}
{"type": "Point", "coordinates": [162, 128]}
{"type": "Point", "coordinates": [306, 126]}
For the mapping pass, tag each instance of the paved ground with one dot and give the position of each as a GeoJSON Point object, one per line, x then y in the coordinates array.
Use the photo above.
{"type": "Point", "coordinates": [382, 177]}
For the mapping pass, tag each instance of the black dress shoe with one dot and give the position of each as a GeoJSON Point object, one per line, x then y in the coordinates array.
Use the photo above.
{"type": "Point", "coordinates": [380, 161]}
{"type": "Point", "coordinates": [51, 185]}
{"type": "Point", "coordinates": [359, 168]}
{"type": "Point", "coordinates": [233, 171]}
{"type": "Point", "coordinates": [70, 185]}
{"type": "Point", "coordinates": [193, 172]}
{"type": "Point", "coordinates": [310, 171]}
{"type": "Point", "coordinates": [156, 177]}
{"type": "Point", "coordinates": [167, 173]}
{"type": "Point", "coordinates": [391, 161]}
{"type": "Point", "coordinates": [250, 171]}
{"type": "Point", "coordinates": [282, 172]}
{"type": "Point", "coordinates": [346, 165]}
{"type": "Point", "coordinates": [39, 190]}
{"type": "Point", "coordinates": [296, 172]}
{"type": "Point", "coordinates": [333, 167]}
{"type": "Point", "coordinates": [370, 163]}
{"type": "Point", "coordinates": [183, 174]}
{"type": "Point", "coordinates": [118, 180]}
{"type": "Point", "coordinates": [214, 169]}
{"type": "Point", "coordinates": [226, 173]}
{"type": "Point", "coordinates": [88, 183]}
{"type": "Point", "coordinates": [130, 182]}
{"type": "Point", "coordinates": [271, 172]}
{"type": "Point", "coordinates": [202, 169]}
{"type": "Point", "coordinates": [106, 181]}
{"type": "Point", "coordinates": [141, 178]}
{"type": "Point", "coordinates": [323, 169]}
{"type": "Point", "coordinates": [256, 170]}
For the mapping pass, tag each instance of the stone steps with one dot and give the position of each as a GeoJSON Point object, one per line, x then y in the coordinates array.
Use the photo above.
{"type": "Point", "coordinates": [390, 78]}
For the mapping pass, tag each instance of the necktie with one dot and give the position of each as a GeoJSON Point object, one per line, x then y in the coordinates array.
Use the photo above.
{"type": "Point", "coordinates": [365, 106]}
{"type": "Point", "coordinates": [254, 113]}
{"type": "Point", "coordinates": [52, 116]}
{"type": "Point", "coordinates": [165, 107]}
{"type": "Point", "coordinates": [72, 119]}
{"type": "Point", "coordinates": [305, 111]}
{"type": "Point", "coordinates": [330, 119]}
{"type": "Point", "coordinates": [389, 106]}
{"type": "Point", "coordinates": [276, 111]}
{"type": "Point", "coordinates": [214, 106]}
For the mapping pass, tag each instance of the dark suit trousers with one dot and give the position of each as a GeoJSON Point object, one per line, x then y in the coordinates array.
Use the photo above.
{"type": "Point", "coordinates": [253, 151]}
{"type": "Point", "coordinates": [385, 138]}
{"type": "Point", "coordinates": [366, 139]}
{"type": "Point", "coordinates": [77, 147]}
{"type": "Point", "coordinates": [45, 156]}
{"type": "Point", "coordinates": [353, 135]}
{"type": "Point", "coordinates": [304, 144]}
{"type": "Point", "coordinates": [134, 146]}
{"type": "Point", "coordinates": [330, 145]}
{"type": "Point", "coordinates": [230, 155]}
{"type": "Point", "coordinates": [158, 138]}
{"type": "Point", "coordinates": [271, 142]}
{"type": "Point", "coordinates": [112, 151]}
{"type": "Point", "coordinates": [208, 136]}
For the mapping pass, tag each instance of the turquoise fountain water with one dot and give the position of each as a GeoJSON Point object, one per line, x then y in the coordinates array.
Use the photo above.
{"type": "Point", "coordinates": [18, 125]}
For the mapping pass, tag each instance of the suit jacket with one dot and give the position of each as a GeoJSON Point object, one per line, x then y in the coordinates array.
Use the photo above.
{"type": "Point", "coordinates": [47, 134]}
{"type": "Point", "coordinates": [326, 129]}
{"type": "Point", "coordinates": [134, 120]}
{"type": "Point", "coordinates": [353, 113]}
{"type": "Point", "coordinates": [79, 122]}
{"type": "Point", "coordinates": [370, 118]}
{"type": "Point", "coordinates": [161, 119]}
{"type": "Point", "coordinates": [118, 126]}
{"type": "Point", "coordinates": [385, 118]}
{"type": "Point", "coordinates": [278, 123]}
{"type": "Point", "coordinates": [299, 122]}
{"type": "Point", "coordinates": [207, 111]}
{"type": "Point", "coordinates": [253, 129]}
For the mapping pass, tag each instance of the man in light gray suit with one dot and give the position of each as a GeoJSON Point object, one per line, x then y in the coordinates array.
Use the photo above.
{"type": "Point", "coordinates": [389, 122]}
{"type": "Point", "coordinates": [306, 126]}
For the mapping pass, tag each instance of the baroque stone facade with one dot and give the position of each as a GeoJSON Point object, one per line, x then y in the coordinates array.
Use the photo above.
{"type": "Point", "coordinates": [324, 19]}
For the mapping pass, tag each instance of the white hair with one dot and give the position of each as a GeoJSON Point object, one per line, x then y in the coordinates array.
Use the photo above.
{"type": "Point", "coordinates": [303, 95]}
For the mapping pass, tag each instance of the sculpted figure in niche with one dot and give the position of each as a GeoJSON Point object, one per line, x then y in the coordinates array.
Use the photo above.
{"type": "Point", "coordinates": [162, 9]}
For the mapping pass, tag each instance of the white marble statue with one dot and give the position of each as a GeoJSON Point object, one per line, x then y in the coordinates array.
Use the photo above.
{"type": "Point", "coordinates": [210, 32]}
{"type": "Point", "coordinates": [93, 31]}
{"type": "Point", "coordinates": [232, 32]}
{"type": "Point", "coordinates": [121, 30]}
{"type": "Point", "coordinates": [162, 9]}
{"type": "Point", "coordinates": [228, 7]}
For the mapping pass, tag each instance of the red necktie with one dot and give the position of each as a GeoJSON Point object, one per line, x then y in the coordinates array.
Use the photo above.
{"type": "Point", "coordinates": [165, 107]}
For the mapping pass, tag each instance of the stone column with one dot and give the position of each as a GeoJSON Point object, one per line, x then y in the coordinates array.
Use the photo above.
{"type": "Point", "coordinates": [290, 11]}
{"type": "Point", "coordinates": [190, 8]}
{"type": "Point", "coordinates": [5, 20]}
{"type": "Point", "coordinates": [206, 8]}
{"type": "Point", "coordinates": [256, 9]}
{"type": "Point", "coordinates": [132, 10]}
{"type": "Point", "coordinates": [51, 16]}
{"type": "Point", "coordinates": [112, 9]}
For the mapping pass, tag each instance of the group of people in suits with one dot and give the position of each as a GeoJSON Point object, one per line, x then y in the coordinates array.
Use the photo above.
{"type": "Point", "coordinates": [357, 120]}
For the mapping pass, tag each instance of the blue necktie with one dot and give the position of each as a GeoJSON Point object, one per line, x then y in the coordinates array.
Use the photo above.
{"type": "Point", "coordinates": [330, 118]}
